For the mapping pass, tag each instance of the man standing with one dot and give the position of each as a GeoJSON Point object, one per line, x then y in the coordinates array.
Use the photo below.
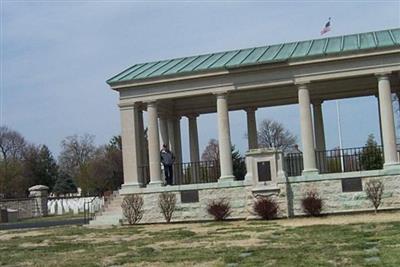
{"type": "Point", "coordinates": [167, 159]}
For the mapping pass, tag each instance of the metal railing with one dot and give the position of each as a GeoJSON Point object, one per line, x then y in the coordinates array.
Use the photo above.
{"type": "Point", "coordinates": [88, 210]}
{"type": "Point", "coordinates": [294, 164]}
{"type": "Point", "coordinates": [338, 160]}
{"type": "Point", "coordinates": [189, 172]}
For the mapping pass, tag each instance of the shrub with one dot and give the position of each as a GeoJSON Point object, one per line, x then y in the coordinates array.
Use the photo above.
{"type": "Point", "coordinates": [266, 207]}
{"type": "Point", "coordinates": [167, 204]}
{"type": "Point", "coordinates": [132, 208]}
{"type": "Point", "coordinates": [312, 203]}
{"type": "Point", "coordinates": [220, 209]}
{"type": "Point", "coordinates": [374, 190]}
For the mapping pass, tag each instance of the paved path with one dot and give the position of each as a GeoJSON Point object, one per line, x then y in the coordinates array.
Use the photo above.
{"type": "Point", "coordinates": [41, 224]}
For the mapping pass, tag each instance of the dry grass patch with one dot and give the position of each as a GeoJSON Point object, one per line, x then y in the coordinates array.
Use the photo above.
{"type": "Point", "coordinates": [381, 217]}
{"type": "Point", "coordinates": [44, 243]}
{"type": "Point", "coordinates": [6, 235]}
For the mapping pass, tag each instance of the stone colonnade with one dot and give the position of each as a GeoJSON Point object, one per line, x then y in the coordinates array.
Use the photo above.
{"type": "Point", "coordinates": [387, 126]}
{"type": "Point", "coordinates": [312, 134]}
{"type": "Point", "coordinates": [168, 130]}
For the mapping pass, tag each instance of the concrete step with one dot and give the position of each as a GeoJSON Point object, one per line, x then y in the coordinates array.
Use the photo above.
{"type": "Point", "coordinates": [113, 219]}
{"type": "Point", "coordinates": [114, 212]}
{"type": "Point", "coordinates": [111, 213]}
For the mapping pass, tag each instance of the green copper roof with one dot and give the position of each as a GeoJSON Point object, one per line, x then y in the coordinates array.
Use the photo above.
{"type": "Point", "coordinates": [260, 55]}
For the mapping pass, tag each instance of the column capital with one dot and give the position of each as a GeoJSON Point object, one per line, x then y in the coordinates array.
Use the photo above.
{"type": "Point", "coordinates": [151, 103]}
{"type": "Point", "coordinates": [304, 85]}
{"type": "Point", "coordinates": [250, 109]}
{"type": "Point", "coordinates": [126, 106]}
{"type": "Point", "coordinates": [302, 82]}
{"type": "Point", "coordinates": [222, 94]}
{"type": "Point", "coordinates": [130, 106]}
{"type": "Point", "coordinates": [139, 106]}
{"type": "Point", "coordinates": [383, 75]}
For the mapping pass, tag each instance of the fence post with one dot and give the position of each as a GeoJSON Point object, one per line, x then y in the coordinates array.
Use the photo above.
{"type": "Point", "coordinates": [39, 195]}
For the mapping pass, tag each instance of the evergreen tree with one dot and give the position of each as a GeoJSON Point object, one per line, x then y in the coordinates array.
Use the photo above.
{"type": "Point", "coordinates": [239, 164]}
{"type": "Point", "coordinates": [371, 156]}
{"type": "Point", "coordinates": [41, 166]}
{"type": "Point", "coordinates": [115, 143]}
{"type": "Point", "coordinates": [64, 184]}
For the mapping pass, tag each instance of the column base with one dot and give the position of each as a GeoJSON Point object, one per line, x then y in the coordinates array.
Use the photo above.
{"type": "Point", "coordinates": [155, 183]}
{"type": "Point", "coordinates": [391, 168]}
{"type": "Point", "coordinates": [310, 173]}
{"type": "Point", "coordinates": [248, 177]}
{"type": "Point", "coordinates": [281, 176]}
{"type": "Point", "coordinates": [226, 179]}
{"type": "Point", "coordinates": [129, 188]}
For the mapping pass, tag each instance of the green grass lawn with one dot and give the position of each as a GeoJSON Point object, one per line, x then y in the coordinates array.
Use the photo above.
{"type": "Point", "coordinates": [234, 243]}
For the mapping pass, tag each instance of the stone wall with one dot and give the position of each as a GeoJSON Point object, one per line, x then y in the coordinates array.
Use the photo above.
{"type": "Point", "coordinates": [277, 193]}
{"type": "Point", "coordinates": [288, 195]}
{"type": "Point", "coordinates": [336, 201]}
{"type": "Point", "coordinates": [34, 206]}
{"type": "Point", "coordinates": [239, 197]}
{"type": "Point", "coordinates": [25, 207]}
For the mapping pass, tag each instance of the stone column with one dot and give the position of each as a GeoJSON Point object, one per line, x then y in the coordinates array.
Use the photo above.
{"type": "Point", "coordinates": [252, 128]}
{"type": "Point", "coordinates": [193, 138]}
{"type": "Point", "coordinates": [224, 139]}
{"type": "Point", "coordinates": [178, 171]}
{"type": "Point", "coordinates": [306, 127]}
{"type": "Point", "coordinates": [39, 195]}
{"type": "Point", "coordinates": [194, 147]}
{"type": "Point", "coordinates": [387, 121]}
{"type": "Point", "coordinates": [380, 120]}
{"type": "Point", "coordinates": [319, 136]}
{"type": "Point", "coordinates": [139, 154]}
{"type": "Point", "coordinates": [319, 126]}
{"type": "Point", "coordinates": [130, 147]}
{"type": "Point", "coordinates": [164, 130]}
{"type": "Point", "coordinates": [143, 157]}
{"type": "Point", "coordinates": [154, 145]}
{"type": "Point", "coordinates": [171, 134]}
{"type": "Point", "coordinates": [143, 149]}
{"type": "Point", "coordinates": [178, 141]}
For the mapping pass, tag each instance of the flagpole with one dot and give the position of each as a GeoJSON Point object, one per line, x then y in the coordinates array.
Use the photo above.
{"type": "Point", "coordinates": [340, 136]}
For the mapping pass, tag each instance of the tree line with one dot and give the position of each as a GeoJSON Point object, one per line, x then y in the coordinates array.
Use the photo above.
{"type": "Point", "coordinates": [81, 164]}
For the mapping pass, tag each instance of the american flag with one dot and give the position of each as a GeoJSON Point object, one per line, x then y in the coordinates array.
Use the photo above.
{"type": "Point", "coordinates": [327, 27]}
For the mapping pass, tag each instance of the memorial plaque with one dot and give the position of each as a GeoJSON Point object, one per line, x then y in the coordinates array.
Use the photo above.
{"type": "Point", "coordinates": [189, 196]}
{"type": "Point", "coordinates": [264, 171]}
{"type": "Point", "coordinates": [352, 185]}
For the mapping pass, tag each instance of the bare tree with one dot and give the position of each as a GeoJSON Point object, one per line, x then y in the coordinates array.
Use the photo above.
{"type": "Point", "coordinates": [211, 152]}
{"type": "Point", "coordinates": [374, 190]}
{"type": "Point", "coordinates": [12, 146]}
{"type": "Point", "coordinates": [272, 134]}
{"type": "Point", "coordinates": [76, 152]}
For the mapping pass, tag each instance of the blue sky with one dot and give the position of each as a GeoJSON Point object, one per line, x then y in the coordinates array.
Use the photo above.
{"type": "Point", "coordinates": [56, 56]}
